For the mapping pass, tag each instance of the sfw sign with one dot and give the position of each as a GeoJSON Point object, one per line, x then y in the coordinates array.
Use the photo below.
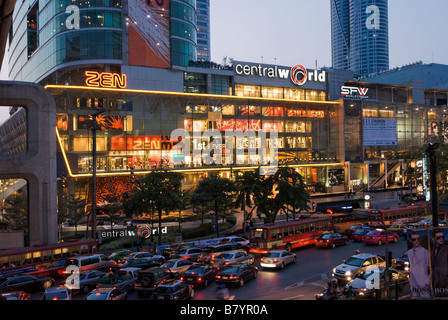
{"type": "Point", "coordinates": [298, 74]}
{"type": "Point", "coordinates": [354, 92]}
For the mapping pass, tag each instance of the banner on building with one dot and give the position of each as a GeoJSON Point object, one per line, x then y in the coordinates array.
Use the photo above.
{"type": "Point", "coordinates": [379, 132]}
{"type": "Point", "coordinates": [149, 33]}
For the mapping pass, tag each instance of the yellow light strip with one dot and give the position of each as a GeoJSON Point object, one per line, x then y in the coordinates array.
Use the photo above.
{"type": "Point", "coordinates": [194, 170]}
{"type": "Point", "coordinates": [184, 94]}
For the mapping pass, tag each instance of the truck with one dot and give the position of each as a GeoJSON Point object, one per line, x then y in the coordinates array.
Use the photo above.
{"type": "Point", "coordinates": [124, 279]}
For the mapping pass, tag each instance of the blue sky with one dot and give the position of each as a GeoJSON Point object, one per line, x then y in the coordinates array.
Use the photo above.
{"type": "Point", "coordinates": [289, 32]}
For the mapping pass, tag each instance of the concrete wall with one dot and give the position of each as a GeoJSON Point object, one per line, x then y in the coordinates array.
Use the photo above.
{"type": "Point", "coordinates": [38, 165]}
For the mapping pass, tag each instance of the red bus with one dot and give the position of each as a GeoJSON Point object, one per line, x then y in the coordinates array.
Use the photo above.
{"type": "Point", "coordinates": [403, 214]}
{"type": "Point", "coordinates": [43, 260]}
{"type": "Point", "coordinates": [288, 235]}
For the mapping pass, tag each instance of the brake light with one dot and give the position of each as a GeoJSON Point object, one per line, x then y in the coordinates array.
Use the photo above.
{"type": "Point", "coordinates": [181, 278]}
{"type": "Point", "coordinates": [275, 260]}
{"type": "Point", "coordinates": [218, 277]}
{"type": "Point", "coordinates": [54, 298]}
{"type": "Point", "coordinates": [233, 277]}
{"type": "Point", "coordinates": [199, 279]}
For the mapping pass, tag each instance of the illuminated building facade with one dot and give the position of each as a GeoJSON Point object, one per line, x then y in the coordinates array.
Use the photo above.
{"type": "Point", "coordinates": [139, 60]}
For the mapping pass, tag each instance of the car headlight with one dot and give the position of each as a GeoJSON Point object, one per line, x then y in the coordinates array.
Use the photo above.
{"type": "Point", "coordinates": [348, 273]}
{"type": "Point", "coordinates": [334, 270]}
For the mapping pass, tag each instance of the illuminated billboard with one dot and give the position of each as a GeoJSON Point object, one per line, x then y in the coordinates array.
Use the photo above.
{"type": "Point", "coordinates": [149, 33]}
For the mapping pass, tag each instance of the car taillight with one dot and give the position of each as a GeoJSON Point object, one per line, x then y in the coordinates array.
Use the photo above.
{"type": "Point", "coordinates": [181, 278]}
{"type": "Point", "coordinates": [275, 260]}
{"type": "Point", "coordinates": [199, 279]}
{"type": "Point", "coordinates": [233, 277]}
{"type": "Point", "coordinates": [218, 277]}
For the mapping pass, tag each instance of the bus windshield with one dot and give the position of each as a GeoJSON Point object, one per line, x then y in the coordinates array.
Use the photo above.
{"type": "Point", "coordinates": [259, 233]}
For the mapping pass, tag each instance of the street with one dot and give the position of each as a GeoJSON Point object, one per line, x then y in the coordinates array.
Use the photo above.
{"type": "Point", "coordinates": [299, 281]}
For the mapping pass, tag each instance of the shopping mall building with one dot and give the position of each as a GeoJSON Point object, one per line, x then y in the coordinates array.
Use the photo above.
{"type": "Point", "coordinates": [138, 60]}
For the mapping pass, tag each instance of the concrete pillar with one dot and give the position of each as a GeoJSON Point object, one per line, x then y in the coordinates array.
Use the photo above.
{"type": "Point", "coordinates": [38, 165]}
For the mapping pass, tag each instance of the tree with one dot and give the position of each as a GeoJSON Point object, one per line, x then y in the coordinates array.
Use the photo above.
{"type": "Point", "coordinates": [158, 191]}
{"type": "Point", "coordinates": [76, 210]}
{"type": "Point", "coordinates": [283, 191]}
{"type": "Point", "coordinates": [215, 193]}
{"type": "Point", "coordinates": [16, 207]}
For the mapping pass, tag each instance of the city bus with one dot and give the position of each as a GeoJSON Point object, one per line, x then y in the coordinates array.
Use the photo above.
{"type": "Point", "coordinates": [43, 260]}
{"type": "Point", "coordinates": [288, 235]}
{"type": "Point", "coordinates": [339, 206]}
{"type": "Point", "coordinates": [340, 221]}
{"type": "Point", "coordinates": [403, 214]}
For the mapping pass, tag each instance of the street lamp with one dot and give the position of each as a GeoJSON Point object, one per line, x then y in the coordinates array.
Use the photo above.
{"type": "Point", "coordinates": [431, 152]}
{"type": "Point", "coordinates": [94, 130]}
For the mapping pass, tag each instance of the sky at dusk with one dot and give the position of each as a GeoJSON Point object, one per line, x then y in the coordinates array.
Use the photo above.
{"type": "Point", "coordinates": [289, 32]}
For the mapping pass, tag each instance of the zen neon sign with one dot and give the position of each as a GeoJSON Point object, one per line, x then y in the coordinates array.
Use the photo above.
{"type": "Point", "coordinates": [106, 80]}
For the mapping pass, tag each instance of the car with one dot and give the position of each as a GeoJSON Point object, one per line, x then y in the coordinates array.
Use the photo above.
{"type": "Point", "coordinates": [176, 248]}
{"type": "Point", "coordinates": [57, 293]}
{"type": "Point", "coordinates": [236, 274]}
{"type": "Point", "coordinates": [123, 279]}
{"type": "Point", "coordinates": [233, 257]}
{"type": "Point", "coordinates": [16, 295]}
{"type": "Point", "coordinates": [138, 263]}
{"type": "Point", "coordinates": [88, 280]}
{"type": "Point", "coordinates": [355, 265]}
{"type": "Point", "coordinates": [144, 255]}
{"type": "Point", "coordinates": [191, 254]}
{"type": "Point", "coordinates": [26, 283]}
{"type": "Point", "coordinates": [106, 294]}
{"type": "Point", "coordinates": [212, 251]}
{"type": "Point", "coordinates": [364, 284]}
{"type": "Point", "coordinates": [173, 290]}
{"type": "Point", "coordinates": [378, 237]}
{"type": "Point", "coordinates": [90, 262]}
{"type": "Point", "coordinates": [277, 259]}
{"type": "Point", "coordinates": [199, 275]}
{"type": "Point", "coordinates": [358, 234]}
{"type": "Point", "coordinates": [178, 265]}
{"type": "Point", "coordinates": [402, 262]}
{"type": "Point", "coordinates": [349, 231]}
{"type": "Point", "coordinates": [234, 239]}
{"type": "Point", "coordinates": [117, 255]}
{"type": "Point", "coordinates": [331, 240]}
{"type": "Point", "coordinates": [148, 279]}
{"type": "Point", "coordinates": [397, 228]}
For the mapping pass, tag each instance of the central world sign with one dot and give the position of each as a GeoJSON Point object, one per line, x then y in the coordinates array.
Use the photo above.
{"type": "Point", "coordinates": [298, 74]}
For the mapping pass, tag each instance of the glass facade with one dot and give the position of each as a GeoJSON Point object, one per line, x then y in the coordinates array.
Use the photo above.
{"type": "Point", "coordinates": [136, 127]}
{"type": "Point", "coordinates": [360, 35]}
{"type": "Point", "coordinates": [98, 37]}
{"type": "Point", "coordinates": [183, 32]}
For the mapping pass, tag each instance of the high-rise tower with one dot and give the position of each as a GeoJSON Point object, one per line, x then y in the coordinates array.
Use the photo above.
{"type": "Point", "coordinates": [360, 35]}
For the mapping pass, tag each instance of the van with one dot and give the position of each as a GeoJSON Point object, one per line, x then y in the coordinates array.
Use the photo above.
{"type": "Point", "coordinates": [90, 262]}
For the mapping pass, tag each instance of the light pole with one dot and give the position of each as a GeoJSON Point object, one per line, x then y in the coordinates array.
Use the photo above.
{"type": "Point", "coordinates": [431, 152]}
{"type": "Point", "coordinates": [94, 130]}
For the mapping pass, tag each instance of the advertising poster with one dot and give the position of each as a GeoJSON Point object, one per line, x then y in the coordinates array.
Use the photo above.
{"type": "Point", "coordinates": [428, 263]}
{"type": "Point", "coordinates": [379, 132]}
{"type": "Point", "coordinates": [149, 43]}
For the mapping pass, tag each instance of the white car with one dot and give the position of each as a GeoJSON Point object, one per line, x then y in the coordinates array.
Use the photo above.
{"type": "Point", "coordinates": [178, 265]}
{"type": "Point", "coordinates": [233, 257]}
{"type": "Point", "coordinates": [277, 259]}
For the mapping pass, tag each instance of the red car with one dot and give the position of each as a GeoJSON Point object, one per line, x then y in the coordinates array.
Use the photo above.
{"type": "Point", "coordinates": [379, 237]}
{"type": "Point", "coordinates": [331, 240]}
